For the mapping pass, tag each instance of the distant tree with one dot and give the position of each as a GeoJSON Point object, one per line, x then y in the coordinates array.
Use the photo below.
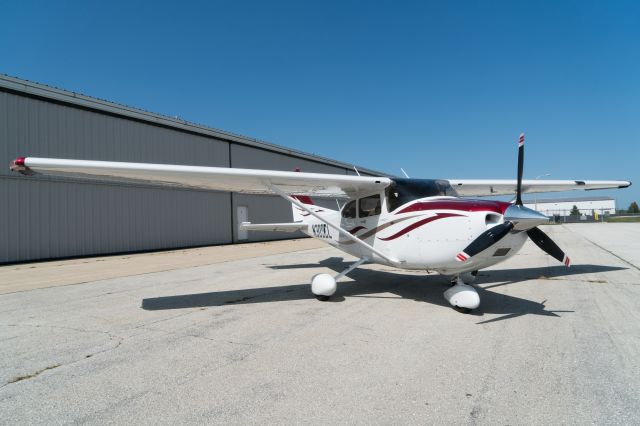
{"type": "Point", "coordinates": [574, 211]}
{"type": "Point", "coordinates": [633, 208]}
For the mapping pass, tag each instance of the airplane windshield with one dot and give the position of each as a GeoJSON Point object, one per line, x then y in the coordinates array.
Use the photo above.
{"type": "Point", "coordinates": [402, 191]}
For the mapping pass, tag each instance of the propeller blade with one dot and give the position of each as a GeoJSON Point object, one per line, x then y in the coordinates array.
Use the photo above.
{"type": "Point", "coordinates": [543, 241]}
{"type": "Point", "coordinates": [520, 167]}
{"type": "Point", "coordinates": [485, 240]}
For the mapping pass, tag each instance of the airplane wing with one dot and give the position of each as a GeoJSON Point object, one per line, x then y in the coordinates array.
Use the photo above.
{"type": "Point", "coordinates": [215, 178]}
{"type": "Point", "coordinates": [482, 187]}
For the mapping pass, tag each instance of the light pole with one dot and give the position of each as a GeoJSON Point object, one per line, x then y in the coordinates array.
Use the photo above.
{"type": "Point", "coordinates": [536, 197]}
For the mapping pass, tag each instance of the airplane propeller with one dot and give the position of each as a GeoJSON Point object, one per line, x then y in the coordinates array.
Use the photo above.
{"type": "Point", "coordinates": [543, 241]}
{"type": "Point", "coordinates": [516, 218]}
{"type": "Point", "coordinates": [485, 240]}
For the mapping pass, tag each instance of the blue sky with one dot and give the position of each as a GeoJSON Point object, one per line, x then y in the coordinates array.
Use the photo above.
{"type": "Point", "coordinates": [441, 89]}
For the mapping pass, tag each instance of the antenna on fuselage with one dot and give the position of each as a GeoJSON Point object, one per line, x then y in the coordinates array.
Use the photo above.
{"type": "Point", "coordinates": [404, 173]}
{"type": "Point", "coordinates": [354, 168]}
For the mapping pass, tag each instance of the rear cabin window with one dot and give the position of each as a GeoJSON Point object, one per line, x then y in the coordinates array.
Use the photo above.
{"type": "Point", "coordinates": [370, 206]}
{"type": "Point", "coordinates": [349, 210]}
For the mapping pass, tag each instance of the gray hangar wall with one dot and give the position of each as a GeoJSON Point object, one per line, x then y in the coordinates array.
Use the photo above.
{"type": "Point", "coordinates": [45, 217]}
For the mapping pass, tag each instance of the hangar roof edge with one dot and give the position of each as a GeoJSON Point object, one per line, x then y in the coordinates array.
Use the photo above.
{"type": "Point", "coordinates": [84, 101]}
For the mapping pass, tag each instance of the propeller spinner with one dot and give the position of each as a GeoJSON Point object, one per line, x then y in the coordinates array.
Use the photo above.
{"type": "Point", "coordinates": [517, 218]}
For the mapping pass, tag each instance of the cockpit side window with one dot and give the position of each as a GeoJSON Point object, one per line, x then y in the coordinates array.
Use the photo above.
{"type": "Point", "coordinates": [349, 210]}
{"type": "Point", "coordinates": [370, 206]}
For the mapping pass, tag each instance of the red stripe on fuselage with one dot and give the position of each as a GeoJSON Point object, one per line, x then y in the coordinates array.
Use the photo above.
{"type": "Point", "coordinates": [459, 205]}
{"type": "Point", "coordinates": [356, 229]}
{"type": "Point", "coordinates": [418, 224]}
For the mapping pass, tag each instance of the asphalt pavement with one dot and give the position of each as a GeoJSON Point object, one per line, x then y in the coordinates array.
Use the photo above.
{"type": "Point", "coordinates": [240, 339]}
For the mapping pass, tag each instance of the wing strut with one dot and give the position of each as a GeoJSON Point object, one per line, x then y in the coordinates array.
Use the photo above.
{"type": "Point", "coordinates": [334, 226]}
{"type": "Point", "coordinates": [351, 268]}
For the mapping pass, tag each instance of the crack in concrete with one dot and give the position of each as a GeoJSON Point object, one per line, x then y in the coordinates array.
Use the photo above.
{"type": "Point", "coordinates": [31, 375]}
{"type": "Point", "coordinates": [35, 374]}
{"type": "Point", "coordinates": [145, 324]}
{"type": "Point", "coordinates": [61, 327]}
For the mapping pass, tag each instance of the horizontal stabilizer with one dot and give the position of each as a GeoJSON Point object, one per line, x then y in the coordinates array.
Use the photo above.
{"type": "Point", "coordinates": [279, 227]}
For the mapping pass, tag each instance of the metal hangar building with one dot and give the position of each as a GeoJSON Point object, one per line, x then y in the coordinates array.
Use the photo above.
{"type": "Point", "coordinates": [47, 217]}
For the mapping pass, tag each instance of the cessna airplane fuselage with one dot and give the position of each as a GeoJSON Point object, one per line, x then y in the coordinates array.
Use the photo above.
{"type": "Point", "coordinates": [424, 233]}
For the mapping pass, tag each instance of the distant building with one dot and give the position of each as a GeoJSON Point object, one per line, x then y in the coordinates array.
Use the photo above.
{"type": "Point", "coordinates": [563, 206]}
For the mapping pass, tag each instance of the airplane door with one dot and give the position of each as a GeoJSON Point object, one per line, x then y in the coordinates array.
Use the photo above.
{"type": "Point", "coordinates": [243, 216]}
{"type": "Point", "coordinates": [349, 215]}
{"type": "Point", "coordinates": [369, 209]}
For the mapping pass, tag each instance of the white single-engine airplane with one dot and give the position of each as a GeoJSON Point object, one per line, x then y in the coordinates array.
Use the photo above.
{"type": "Point", "coordinates": [419, 224]}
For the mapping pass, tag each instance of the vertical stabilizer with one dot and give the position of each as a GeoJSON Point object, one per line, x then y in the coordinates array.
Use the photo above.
{"type": "Point", "coordinates": [300, 215]}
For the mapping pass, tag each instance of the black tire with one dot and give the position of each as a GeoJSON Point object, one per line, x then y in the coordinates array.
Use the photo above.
{"type": "Point", "coordinates": [462, 310]}
{"type": "Point", "coordinates": [322, 298]}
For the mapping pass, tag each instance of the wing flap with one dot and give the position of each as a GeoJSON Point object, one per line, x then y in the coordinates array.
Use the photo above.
{"type": "Point", "coordinates": [248, 181]}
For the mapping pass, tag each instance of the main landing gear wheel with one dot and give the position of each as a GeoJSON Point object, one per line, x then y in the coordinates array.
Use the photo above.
{"type": "Point", "coordinates": [462, 297]}
{"type": "Point", "coordinates": [323, 286]}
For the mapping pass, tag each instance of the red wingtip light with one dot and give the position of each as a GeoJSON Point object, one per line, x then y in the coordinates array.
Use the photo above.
{"type": "Point", "coordinates": [297, 169]}
{"type": "Point", "coordinates": [18, 165]}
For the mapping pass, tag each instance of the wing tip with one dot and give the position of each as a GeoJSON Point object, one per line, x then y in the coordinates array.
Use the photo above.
{"type": "Point", "coordinates": [18, 165]}
{"type": "Point", "coordinates": [628, 184]}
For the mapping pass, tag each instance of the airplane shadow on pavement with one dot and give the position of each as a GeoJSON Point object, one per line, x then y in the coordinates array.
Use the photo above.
{"type": "Point", "coordinates": [370, 283]}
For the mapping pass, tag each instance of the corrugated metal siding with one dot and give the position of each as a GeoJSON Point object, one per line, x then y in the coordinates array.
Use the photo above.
{"type": "Point", "coordinates": [46, 217]}
{"type": "Point", "coordinates": [52, 94]}
{"type": "Point", "coordinates": [60, 219]}
{"type": "Point", "coordinates": [51, 218]}
{"type": "Point", "coordinates": [45, 129]}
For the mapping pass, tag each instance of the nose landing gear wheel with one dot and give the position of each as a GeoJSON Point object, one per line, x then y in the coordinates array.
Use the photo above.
{"type": "Point", "coordinates": [462, 297]}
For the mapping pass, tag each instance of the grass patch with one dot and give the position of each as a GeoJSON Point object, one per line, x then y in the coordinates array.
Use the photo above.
{"type": "Point", "coordinates": [623, 219]}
